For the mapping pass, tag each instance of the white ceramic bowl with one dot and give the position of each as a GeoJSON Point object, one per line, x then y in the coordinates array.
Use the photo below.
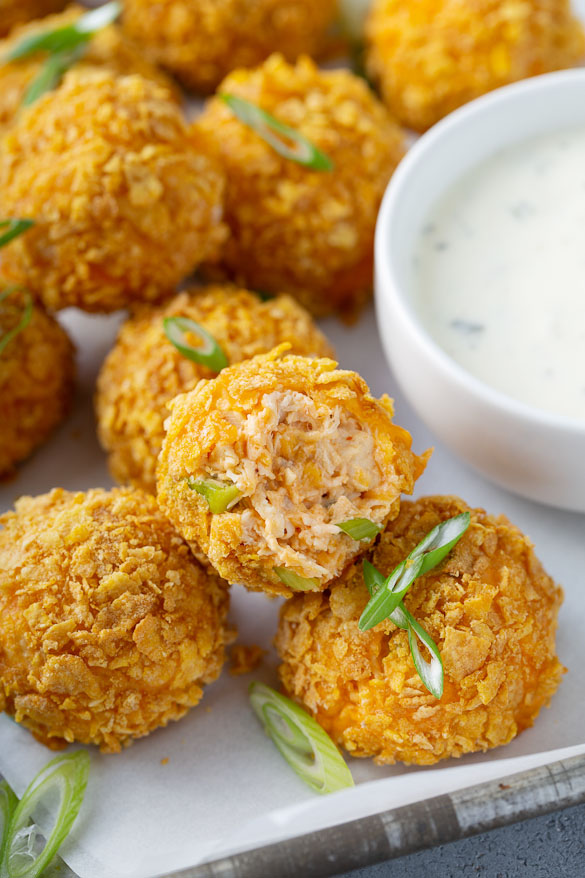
{"type": "Point", "coordinates": [524, 449]}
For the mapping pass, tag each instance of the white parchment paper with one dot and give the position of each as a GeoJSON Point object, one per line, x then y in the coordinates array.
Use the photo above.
{"type": "Point", "coordinates": [225, 787]}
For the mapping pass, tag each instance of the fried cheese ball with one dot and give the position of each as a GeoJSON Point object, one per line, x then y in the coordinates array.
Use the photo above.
{"type": "Point", "coordinates": [492, 611]}
{"type": "Point", "coordinates": [108, 626]}
{"type": "Point", "coordinates": [108, 48]}
{"type": "Point", "coordinates": [36, 379]}
{"type": "Point", "coordinates": [201, 41]}
{"type": "Point", "coordinates": [144, 371]}
{"type": "Point", "coordinates": [294, 230]}
{"type": "Point", "coordinates": [301, 446]}
{"type": "Point", "coordinates": [126, 201]}
{"type": "Point", "coordinates": [14, 12]}
{"type": "Point", "coordinates": [430, 57]}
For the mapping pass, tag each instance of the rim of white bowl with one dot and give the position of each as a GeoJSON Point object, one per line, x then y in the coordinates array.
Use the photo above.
{"type": "Point", "coordinates": [392, 289]}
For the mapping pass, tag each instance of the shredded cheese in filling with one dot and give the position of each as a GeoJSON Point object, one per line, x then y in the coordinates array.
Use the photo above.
{"type": "Point", "coordinates": [301, 469]}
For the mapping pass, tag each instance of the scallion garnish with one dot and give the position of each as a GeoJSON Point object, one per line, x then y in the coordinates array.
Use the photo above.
{"type": "Point", "coordinates": [8, 803]}
{"type": "Point", "coordinates": [276, 134]}
{"type": "Point", "coordinates": [69, 36]}
{"type": "Point", "coordinates": [14, 228]}
{"type": "Point", "coordinates": [208, 354]}
{"type": "Point", "coordinates": [51, 73]}
{"type": "Point", "coordinates": [360, 528]}
{"type": "Point", "coordinates": [219, 495]}
{"type": "Point", "coordinates": [307, 748]}
{"type": "Point", "coordinates": [296, 582]}
{"type": "Point", "coordinates": [66, 775]}
{"type": "Point", "coordinates": [24, 320]}
{"type": "Point", "coordinates": [426, 555]}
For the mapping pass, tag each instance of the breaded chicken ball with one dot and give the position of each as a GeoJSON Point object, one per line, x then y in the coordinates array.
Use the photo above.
{"type": "Point", "coordinates": [36, 378]}
{"type": "Point", "coordinates": [108, 625]}
{"type": "Point", "coordinates": [201, 41]}
{"type": "Point", "coordinates": [261, 464]}
{"type": "Point", "coordinates": [14, 12]}
{"type": "Point", "coordinates": [126, 201]}
{"type": "Point", "coordinates": [431, 56]}
{"type": "Point", "coordinates": [492, 611]}
{"type": "Point", "coordinates": [108, 48]}
{"type": "Point", "coordinates": [144, 371]}
{"type": "Point", "coordinates": [304, 232]}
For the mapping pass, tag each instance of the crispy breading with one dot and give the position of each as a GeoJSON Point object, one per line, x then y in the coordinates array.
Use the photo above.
{"type": "Point", "coordinates": [109, 48]}
{"type": "Point", "coordinates": [306, 446]}
{"type": "Point", "coordinates": [293, 230]}
{"type": "Point", "coordinates": [37, 373]}
{"type": "Point", "coordinates": [126, 202]}
{"type": "Point", "coordinates": [431, 56]}
{"type": "Point", "coordinates": [491, 609]}
{"type": "Point", "coordinates": [144, 371]}
{"type": "Point", "coordinates": [245, 659]}
{"type": "Point", "coordinates": [108, 625]}
{"type": "Point", "coordinates": [15, 12]}
{"type": "Point", "coordinates": [200, 41]}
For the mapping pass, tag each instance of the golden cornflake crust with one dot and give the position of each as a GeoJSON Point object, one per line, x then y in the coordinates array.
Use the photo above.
{"type": "Point", "coordinates": [431, 57]}
{"type": "Point", "coordinates": [108, 626]}
{"type": "Point", "coordinates": [307, 233]}
{"type": "Point", "coordinates": [200, 41]}
{"type": "Point", "coordinates": [126, 202]}
{"type": "Point", "coordinates": [306, 445]}
{"type": "Point", "coordinates": [491, 609]}
{"type": "Point", "coordinates": [144, 371]}
{"type": "Point", "coordinates": [36, 380]}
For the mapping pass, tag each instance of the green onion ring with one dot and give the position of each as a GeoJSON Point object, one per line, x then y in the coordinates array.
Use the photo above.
{"type": "Point", "coordinates": [307, 748]}
{"type": "Point", "coordinates": [209, 354]}
{"type": "Point", "coordinates": [220, 496]}
{"type": "Point", "coordinates": [15, 228]}
{"type": "Point", "coordinates": [296, 582]}
{"type": "Point", "coordinates": [24, 320]}
{"type": "Point", "coordinates": [51, 73]}
{"type": "Point", "coordinates": [69, 774]}
{"type": "Point", "coordinates": [360, 528]}
{"type": "Point", "coordinates": [272, 131]}
{"type": "Point", "coordinates": [8, 803]}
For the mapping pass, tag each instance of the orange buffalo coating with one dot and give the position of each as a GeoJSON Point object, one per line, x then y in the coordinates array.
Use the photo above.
{"type": "Point", "coordinates": [491, 609]}
{"type": "Point", "coordinates": [108, 625]}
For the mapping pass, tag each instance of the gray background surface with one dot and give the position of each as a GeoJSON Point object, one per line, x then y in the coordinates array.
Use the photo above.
{"type": "Point", "coordinates": [552, 846]}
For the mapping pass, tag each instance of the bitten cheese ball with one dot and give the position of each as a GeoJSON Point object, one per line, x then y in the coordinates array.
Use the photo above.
{"type": "Point", "coordinates": [200, 41]}
{"type": "Point", "coordinates": [108, 626]}
{"type": "Point", "coordinates": [36, 379]}
{"type": "Point", "coordinates": [126, 202]}
{"type": "Point", "coordinates": [431, 56]}
{"type": "Point", "coordinates": [296, 447]}
{"type": "Point", "coordinates": [144, 371]}
{"type": "Point", "coordinates": [14, 12]}
{"type": "Point", "coordinates": [108, 48]}
{"type": "Point", "coordinates": [294, 230]}
{"type": "Point", "coordinates": [490, 608]}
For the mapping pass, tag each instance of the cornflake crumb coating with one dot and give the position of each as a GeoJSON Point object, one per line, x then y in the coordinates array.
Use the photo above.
{"type": "Point", "coordinates": [109, 48]}
{"type": "Point", "coordinates": [245, 659]}
{"type": "Point", "coordinates": [37, 373]}
{"type": "Point", "coordinates": [15, 12]}
{"type": "Point", "coordinates": [307, 233]}
{"type": "Point", "coordinates": [126, 201]}
{"type": "Point", "coordinates": [431, 57]}
{"type": "Point", "coordinates": [144, 371]}
{"type": "Point", "coordinates": [108, 626]}
{"type": "Point", "coordinates": [201, 41]}
{"type": "Point", "coordinates": [491, 609]}
{"type": "Point", "coordinates": [306, 445]}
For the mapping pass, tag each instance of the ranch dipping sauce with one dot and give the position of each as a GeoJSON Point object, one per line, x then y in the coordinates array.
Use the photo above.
{"type": "Point", "coordinates": [500, 272]}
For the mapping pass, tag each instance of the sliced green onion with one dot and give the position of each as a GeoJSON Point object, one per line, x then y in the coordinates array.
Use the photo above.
{"type": "Point", "coordinates": [68, 37]}
{"type": "Point", "coordinates": [208, 354]}
{"type": "Point", "coordinates": [24, 320]}
{"type": "Point", "coordinates": [360, 528]}
{"type": "Point", "coordinates": [296, 582]}
{"type": "Point", "coordinates": [307, 748]}
{"type": "Point", "coordinates": [220, 496]}
{"type": "Point", "coordinates": [372, 577]}
{"type": "Point", "coordinates": [8, 803]}
{"type": "Point", "coordinates": [66, 775]}
{"type": "Point", "coordinates": [51, 73]}
{"type": "Point", "coordinates": [272, 131]}
{"type": "Point", "coordinates": [427, 554]}
{"type": "Point", "coordinates": [15, 227]}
